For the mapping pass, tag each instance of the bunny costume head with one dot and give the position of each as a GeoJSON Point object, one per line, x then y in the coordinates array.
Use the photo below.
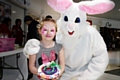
{"type": "Point", "coordinates": [84, 46]}
{"type": "Point", "coordinates": [73, 15]}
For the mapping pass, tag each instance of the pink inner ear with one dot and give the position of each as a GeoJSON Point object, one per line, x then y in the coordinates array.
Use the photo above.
{"type": "Point", "coordinates": [59, 5]}
{"type": "Point", "coordinates": [97, 9]}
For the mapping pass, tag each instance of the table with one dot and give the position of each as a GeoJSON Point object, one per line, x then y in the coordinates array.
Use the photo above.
{"type": "Point", "coordinates": [7, 53]}
{"type": "Point", "coordinates": [16, 52]}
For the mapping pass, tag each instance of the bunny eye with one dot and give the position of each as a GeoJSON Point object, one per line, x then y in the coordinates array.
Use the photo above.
{"type": "Point", "coordinates": [66, 18]}
{"type": "Point", "coordinates": [77, 20]}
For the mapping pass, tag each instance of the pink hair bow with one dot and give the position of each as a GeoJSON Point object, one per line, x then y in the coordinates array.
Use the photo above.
{"type": "Point", "coordinates": [46, 59]}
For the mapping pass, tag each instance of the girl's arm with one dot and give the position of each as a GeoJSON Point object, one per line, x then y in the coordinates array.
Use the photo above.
{"type": "Point", "coordinates": [62, 60]}
{"type": "Point", "coordinates": [32, 59]}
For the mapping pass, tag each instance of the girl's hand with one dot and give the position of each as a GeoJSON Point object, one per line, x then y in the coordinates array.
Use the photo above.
{"type": "Point", "coordinates": [38, 75]}
{"type": "Point", "coordinates": [57, 77]}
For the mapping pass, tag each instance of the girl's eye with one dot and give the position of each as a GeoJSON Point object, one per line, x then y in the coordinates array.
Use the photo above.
{"type": "Point", "coordinates": [52, 30]}
{"type": "Point", "coordinates": [77, 20]}
{"type": "Point", "coordinates": [45, 30]}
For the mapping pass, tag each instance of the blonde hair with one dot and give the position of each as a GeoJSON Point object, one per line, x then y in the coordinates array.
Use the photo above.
{"type": "Point", "coordinates": [47, 20]}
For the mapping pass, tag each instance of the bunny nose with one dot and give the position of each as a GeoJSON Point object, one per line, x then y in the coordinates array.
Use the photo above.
{"type": "Point", "coordinates": [70, 26]}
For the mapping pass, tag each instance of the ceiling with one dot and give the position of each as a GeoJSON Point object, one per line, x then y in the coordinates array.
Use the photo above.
{"type": "Point", "coordinates": [113, 14]}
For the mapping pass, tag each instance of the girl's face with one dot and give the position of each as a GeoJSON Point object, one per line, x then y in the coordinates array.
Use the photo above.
{"type": "Point", "coordinates": [48, 31]}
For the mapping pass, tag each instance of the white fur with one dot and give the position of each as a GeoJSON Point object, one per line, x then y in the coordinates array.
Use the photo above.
{"type": "Point", "coordinates": [31, 47]}
{"type": "Point", "coordinates": [86, 56]}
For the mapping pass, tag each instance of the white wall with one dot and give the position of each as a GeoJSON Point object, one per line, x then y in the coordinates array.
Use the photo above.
{"type": "Point", "coordinates": [115, 24]}
{"type": "Point", "coordinates": [19, 14]}
{"type": "Point", "coordinates": [41, 8]}
{"type": "Point", "coordinates": [101, 22]}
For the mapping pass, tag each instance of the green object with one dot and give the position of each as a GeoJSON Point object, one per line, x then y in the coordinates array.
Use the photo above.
{"type": "Point", "coordinates": [53, 64]}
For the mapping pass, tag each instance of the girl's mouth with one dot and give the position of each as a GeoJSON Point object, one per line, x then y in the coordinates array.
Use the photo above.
{"type": "Point", "coordinates": [48, 36]}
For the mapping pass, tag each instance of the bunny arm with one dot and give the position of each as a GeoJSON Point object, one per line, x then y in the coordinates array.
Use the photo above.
{"type": "Point", "coordinates": [99, 62]}
{"type": "Point", "coordinates": [31, 47]}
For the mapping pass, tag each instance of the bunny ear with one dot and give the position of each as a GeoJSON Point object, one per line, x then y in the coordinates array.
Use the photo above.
{"type": "Point", "coordinates": [96, 6]}
{"type": "Point", "coordinates": [59, 5]}
{"type": "Point", "coordinates": [44, 58]}
{"type": "Point", "coordinates": [52, 56]}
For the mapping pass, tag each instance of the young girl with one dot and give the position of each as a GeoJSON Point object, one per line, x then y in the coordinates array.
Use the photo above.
{"type": "Point", "coordinates": [47, 30]}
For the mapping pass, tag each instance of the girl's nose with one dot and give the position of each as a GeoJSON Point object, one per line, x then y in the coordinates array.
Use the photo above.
{"type": "Point", "coordinates": [48, 32]}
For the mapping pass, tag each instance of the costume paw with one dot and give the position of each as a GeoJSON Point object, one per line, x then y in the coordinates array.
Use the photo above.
{"type": "Point", "coordinates": [31, 47]}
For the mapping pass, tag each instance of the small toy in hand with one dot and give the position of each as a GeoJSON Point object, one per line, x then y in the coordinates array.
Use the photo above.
{"type": "Point", "coordinates": [49, 70]}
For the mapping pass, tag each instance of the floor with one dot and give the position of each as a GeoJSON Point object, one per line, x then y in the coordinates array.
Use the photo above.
{"type": "Point", "coordinates": [114, 63]}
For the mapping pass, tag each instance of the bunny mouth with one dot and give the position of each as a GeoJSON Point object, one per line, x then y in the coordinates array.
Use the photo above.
{"type": "Point", "coordinates": [70, 33]}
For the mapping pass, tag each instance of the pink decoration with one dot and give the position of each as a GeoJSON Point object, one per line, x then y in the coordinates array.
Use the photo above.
{"type": "Point", "coordinates": [52, 56]}
{"type": "Point", "coordinates": [46, 59]}
{"type": "Point", "coordinates": [44, 31]}
{"type": "Point", "coordinates": [90, 21]}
